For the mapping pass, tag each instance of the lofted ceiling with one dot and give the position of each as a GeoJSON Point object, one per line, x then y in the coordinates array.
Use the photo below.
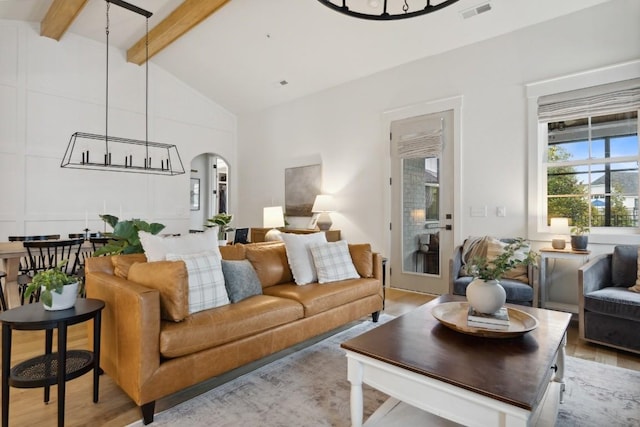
{"type": "Point", "coordinates": [240, 55]}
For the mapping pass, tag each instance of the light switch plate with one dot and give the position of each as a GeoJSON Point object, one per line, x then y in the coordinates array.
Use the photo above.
{"type": "Point", "coordinates": [501, 211]}
{"type": "Point", "coordinates": [478, 211]}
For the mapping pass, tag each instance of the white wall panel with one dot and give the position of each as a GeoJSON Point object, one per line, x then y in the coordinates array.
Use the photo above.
{"type": "Point", "coordinates": [9, 176]}
{"type": "Point", "coordinates": [8, 53]}
{"type": "Point", "coordinates": [8, 117]}
{"type": "Point", "coordinates": [61, 92]}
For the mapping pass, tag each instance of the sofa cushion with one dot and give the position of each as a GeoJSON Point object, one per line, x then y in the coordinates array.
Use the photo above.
{"type": "Point", "coordinates": [614, 301]}
{"type": "Point", "coordinates": [624, 265]}
{"type": "Point", "coordinates": [224, 324]}
{"type": "Point", "coordinates": [299, 255]}
{"type": "Point", "coordinates": [172, 282]}
{"type": "Point", "coordinates": [333, 262]}
{"type": "Point", "coordinates": [122, 263]}
{"type": "Point", "coordinates": [317, 298]}
{"type": "Point", "coordinates": [233, 252]}
{"type": "Point", "coordinates": [156, 248]}
{"type": "Point", "coordinates": [362, 258]}
{"type": "Point", "coordinates": [270, 263]}
{"type": "Point", "coordinates": [517, 292]}
{"type": "Point", "coordinates": [240, 279]}
{"type": "Point", "coordinates": [206, 281]}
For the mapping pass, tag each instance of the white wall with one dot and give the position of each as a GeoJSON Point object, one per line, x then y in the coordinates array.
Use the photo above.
{"type": "Point", "coordinates": [341, 127]}
{"type": "Point", "coordinates": [48, 90]}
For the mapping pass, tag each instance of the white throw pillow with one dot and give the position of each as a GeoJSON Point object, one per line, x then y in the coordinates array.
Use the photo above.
{"type": "Point", "coordinates": [299, 255]}
{"type": "Point", "coordinates": [156, 248]}
{"type": "Point", "coordinates": [206, 281]}
{"type": "Point", "coordinates": [333, 262]}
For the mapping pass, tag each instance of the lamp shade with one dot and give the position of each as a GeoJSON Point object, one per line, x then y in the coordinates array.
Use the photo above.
{"type": "Point", "coordinates": [323, 203]}
{"type": "Point", "coordinates": [273, 217]}
{"type": "Point", "coordinates": [559, 226]}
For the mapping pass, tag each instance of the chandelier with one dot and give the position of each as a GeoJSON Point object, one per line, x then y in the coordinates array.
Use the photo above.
{"type": "Point", "coordinates": [109, 153]}
{"type": "Point", "coordinates": [386, 10]}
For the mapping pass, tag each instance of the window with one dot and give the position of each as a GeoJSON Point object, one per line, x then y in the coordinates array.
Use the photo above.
{"type": "Point", "coordinates": [584, 152]}
{"type": "Point", "coordinates": [592, 170]}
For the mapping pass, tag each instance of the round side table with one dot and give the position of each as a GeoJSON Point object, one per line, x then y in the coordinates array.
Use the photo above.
{"type": "Point", "coordinates": [51, 368]}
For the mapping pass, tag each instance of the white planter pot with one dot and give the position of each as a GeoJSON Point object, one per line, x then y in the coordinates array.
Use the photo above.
{"type": "Point", "coordinates": [65, 300]}
{"type": "Point", "coordinates": [486, 296]}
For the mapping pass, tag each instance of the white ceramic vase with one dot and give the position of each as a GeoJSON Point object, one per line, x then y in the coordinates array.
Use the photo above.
{"type": "Point", "coordinates": [65, 300]}
{"type": "Point", "coordinates": [486, 296]}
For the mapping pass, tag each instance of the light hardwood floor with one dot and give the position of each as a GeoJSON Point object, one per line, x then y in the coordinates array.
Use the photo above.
{"type": "Point", "coordinates": [116, 409]}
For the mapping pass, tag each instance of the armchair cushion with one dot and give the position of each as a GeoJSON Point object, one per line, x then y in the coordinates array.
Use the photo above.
{"type": "Point", "coordinates": [614, 301]}
{"type": "Point", "coordinates": [624, 265]}
{"type": "Point", "coordinates": [490, 248]}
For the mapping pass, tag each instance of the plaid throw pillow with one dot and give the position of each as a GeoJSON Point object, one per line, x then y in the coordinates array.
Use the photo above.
{"type": "Point", "coordinates": [206, 281]}
{"type": "Point", "coordinates": [333, 262]}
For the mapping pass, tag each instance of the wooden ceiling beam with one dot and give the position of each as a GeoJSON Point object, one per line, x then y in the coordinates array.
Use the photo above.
{"type": "Point", "coordinates": [59, 17]}
{"type": "Point", "coordinates": [186, 16]}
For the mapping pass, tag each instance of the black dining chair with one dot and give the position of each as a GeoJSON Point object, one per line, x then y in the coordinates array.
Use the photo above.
{"type": "Point", "coordinates": [98, 242]}
{"type": "Point", "coordinates": [46, 254]}
{"type": "Point", "coordinates": [23, 265]}
{"type": "Point", "coordinates": [83, 235]}
{"type": "Point", "coordinates": [3, 301]}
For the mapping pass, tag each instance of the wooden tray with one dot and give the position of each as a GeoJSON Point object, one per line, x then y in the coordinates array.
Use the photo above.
{"type": "Point", "coordinates": [454, 316]}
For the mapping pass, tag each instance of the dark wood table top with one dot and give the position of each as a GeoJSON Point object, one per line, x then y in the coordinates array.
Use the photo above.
{"type": "Point", "coordinates": [35, 317]}
{"type": "Point", "coordinates": [513, 370]}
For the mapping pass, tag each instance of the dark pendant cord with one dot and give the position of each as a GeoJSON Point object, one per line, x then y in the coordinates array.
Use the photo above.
{"type": "Point", "coordinates": [146, 101]}
{"type": "Point", "coordinates": [106, 113]}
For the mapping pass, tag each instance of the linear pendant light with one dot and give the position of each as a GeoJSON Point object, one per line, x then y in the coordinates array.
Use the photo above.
{"type": "Point", "coordinates": [110, 153]}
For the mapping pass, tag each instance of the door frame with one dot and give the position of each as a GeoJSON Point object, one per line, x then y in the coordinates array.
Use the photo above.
{"type": "Point", "coordinates": [431, 107]}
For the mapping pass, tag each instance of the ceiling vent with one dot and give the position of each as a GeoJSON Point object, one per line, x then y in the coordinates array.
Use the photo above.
{"type": "Point", "coordinates": [476, 10]}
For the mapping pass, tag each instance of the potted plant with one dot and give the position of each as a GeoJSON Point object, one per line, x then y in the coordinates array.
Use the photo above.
{"type": "Point", "coordinates": [484, 293]}
{"type": "Point", "coordinates": [58, 290]}
{"type": "Point", "coordinates": [125, 239]}
{"type": "Point", "coordinates": [579, 235]}
{"type": "Point", "coordinates": [222, 220]}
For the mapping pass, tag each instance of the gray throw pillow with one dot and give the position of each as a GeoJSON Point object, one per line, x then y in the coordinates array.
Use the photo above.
{"type": "Point", "coordinates": [240, 279]}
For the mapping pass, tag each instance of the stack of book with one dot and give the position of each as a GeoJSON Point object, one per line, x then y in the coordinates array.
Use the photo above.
{"type": "Point", "coordinates": [497, 320]}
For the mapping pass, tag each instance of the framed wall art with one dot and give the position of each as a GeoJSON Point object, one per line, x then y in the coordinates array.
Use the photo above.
{"type": "Point", "coordinates": [195, 194]}
{"type": "Point", "coordinates": [301, 186]}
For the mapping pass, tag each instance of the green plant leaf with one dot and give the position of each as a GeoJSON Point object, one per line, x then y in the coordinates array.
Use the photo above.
{"type": "Point", "coordinates": [110, 219]}
{"type": "Point", "coordinates": [46, 298]}
{"type": "Point", "coordinates": [155, 228]}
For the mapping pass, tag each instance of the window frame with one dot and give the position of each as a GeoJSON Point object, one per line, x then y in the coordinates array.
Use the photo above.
{"type": "Point", "coordinates": [537, 140]}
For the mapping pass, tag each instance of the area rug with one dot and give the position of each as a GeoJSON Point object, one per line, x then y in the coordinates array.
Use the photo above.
{"type": "Point", "coordinates": [310, 388]}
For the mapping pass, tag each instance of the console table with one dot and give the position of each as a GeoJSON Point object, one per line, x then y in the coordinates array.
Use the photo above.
{"type": "Point", "coordinates": [257, 234]}
{"type": "Point", "coordinates": [51, 368]}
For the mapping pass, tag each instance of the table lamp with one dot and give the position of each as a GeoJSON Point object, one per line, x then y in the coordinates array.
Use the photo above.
{"type": "Point", "coordinates": [272, 217]}
{"type": "Point", "coordinates": [560, 228]}
{"type": "Point", "coordinates": [323, 205]}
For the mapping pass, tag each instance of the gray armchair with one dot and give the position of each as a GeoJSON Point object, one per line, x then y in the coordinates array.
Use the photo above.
{"type": "Point", "coordinates": [609, 312]}
{"type": "Point", "coordinates": [518, 292]}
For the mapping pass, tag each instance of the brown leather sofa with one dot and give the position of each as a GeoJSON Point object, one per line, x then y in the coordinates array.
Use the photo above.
{"type": "Point", "coordinates": [150, 358]}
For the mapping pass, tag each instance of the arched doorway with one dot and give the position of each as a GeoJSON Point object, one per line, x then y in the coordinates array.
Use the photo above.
{"type": "Point", "coordinates": [209, 192]}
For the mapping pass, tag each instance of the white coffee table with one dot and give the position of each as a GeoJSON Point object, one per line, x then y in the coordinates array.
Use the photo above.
{"type": "Point", "coordinates": [459, 378]}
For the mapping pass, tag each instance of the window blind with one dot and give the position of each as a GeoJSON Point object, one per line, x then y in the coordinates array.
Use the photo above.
{"type": "Point", "coordinates": [592, 101]}
{"type": "Point", "coordinates": [423, 144]}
